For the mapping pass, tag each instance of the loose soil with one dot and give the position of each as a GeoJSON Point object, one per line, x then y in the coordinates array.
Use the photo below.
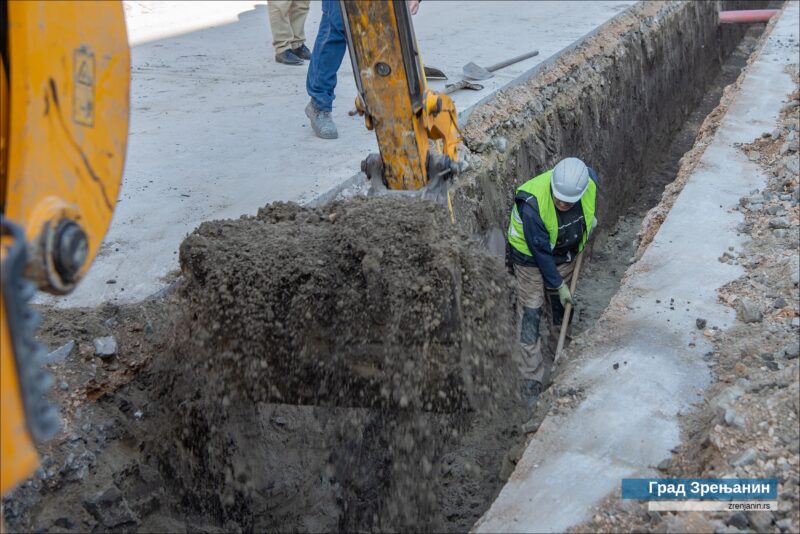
{"type": "Point", "coordinates": [340, 368]}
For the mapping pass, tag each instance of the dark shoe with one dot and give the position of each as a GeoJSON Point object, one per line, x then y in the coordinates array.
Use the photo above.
{"type": "Point", "coordinates": [321, 122]}
{"type": "Point", "coordinates": [302, 52]}
{"type": "Point", "coordinates": [530, 391]}
{"type": "Point", "coordinates": [287, 57]}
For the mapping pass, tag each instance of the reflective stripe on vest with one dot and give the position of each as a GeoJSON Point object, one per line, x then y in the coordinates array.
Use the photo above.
{"type": "Point", "coordinates": [539, 188]}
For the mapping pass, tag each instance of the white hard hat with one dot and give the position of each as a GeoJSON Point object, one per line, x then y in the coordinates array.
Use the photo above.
{"type": "Point", "coordinates": [570, 180]}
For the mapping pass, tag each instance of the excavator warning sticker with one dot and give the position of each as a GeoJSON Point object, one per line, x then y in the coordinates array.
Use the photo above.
{"type": "Point", "coordinates": [83, 88]}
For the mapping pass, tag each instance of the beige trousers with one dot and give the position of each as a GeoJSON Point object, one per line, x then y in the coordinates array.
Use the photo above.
{"type": "Point", "coordinates": [533, 360]}
{"type": "Point", "coordinates": [287, 19]}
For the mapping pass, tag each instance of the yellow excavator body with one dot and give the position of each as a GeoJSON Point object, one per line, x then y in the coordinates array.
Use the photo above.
{"type": "Point", "coordinates": [64, 105]}
{"type": "Point", "coordinates": [416, 128]}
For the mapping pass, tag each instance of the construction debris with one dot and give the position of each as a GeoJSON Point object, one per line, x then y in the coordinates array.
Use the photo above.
{"type": "Point", "coordinates": [61, 353]}
{"type": "Point", "coordinates": [105, 347]}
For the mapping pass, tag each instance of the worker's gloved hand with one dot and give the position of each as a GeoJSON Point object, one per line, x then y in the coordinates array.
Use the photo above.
{"type": "Point", "coordinates": [564, 295]}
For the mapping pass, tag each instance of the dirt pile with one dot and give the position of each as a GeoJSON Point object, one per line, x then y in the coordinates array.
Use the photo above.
{"type": "Point", "coordinates": [373, 303]}
{"type": "Point", "coordinates": [389, 328]}
{"type": "Point", "coordinates": [346, 368]}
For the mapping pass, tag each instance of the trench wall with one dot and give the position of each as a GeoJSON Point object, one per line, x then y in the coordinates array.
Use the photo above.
{"type": "Point", "coordinates": [612, 99]}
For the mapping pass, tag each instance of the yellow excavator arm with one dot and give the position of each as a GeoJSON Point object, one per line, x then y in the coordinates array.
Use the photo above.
{"type": "Point", "coordinates": [64, 102]}
{"type": "Point", "coordinates": [416, 128]}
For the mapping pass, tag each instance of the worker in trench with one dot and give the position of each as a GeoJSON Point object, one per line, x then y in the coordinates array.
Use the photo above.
{"type": "Point", "coordinates": [551, 221]}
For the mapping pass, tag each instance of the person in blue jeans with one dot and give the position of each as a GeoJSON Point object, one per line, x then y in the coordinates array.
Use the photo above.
{"type": "Point", "coordinates": [326, 58]}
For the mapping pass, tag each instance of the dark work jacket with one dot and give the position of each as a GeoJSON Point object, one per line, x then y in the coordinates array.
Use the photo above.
{"type": "Point", "coordinates": [538, 241]}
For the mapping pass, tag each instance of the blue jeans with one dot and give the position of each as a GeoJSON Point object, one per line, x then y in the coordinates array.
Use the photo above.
{"type": "Point", "coordinates": [326, 58]}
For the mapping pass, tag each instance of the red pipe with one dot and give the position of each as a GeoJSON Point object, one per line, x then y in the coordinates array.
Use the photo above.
{"type": "Point", "coordinates": [746, 15]}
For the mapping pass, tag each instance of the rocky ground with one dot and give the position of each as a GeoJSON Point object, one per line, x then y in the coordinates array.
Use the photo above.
{"type": "Point", "coordinates": [747, 425]}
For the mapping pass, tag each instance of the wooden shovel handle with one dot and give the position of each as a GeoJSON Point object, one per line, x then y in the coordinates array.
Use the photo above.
{"type": "Point", "coordinates": [568, 308]}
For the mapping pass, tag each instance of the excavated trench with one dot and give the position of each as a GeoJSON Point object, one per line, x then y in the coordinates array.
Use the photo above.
{"type": "Point", "coordinates": [347, 367]}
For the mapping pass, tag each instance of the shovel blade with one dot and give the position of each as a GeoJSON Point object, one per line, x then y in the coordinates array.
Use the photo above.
{"type": "Point", "coordinates": [476, 72]}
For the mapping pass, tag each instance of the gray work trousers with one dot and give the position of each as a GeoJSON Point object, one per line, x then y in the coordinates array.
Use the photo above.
{"type": "Point", "coordinates": [533, 360]}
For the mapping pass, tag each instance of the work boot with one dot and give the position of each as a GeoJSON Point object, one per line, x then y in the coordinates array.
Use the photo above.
{"type": "Point", "coordinates": [321, 122]}
{"type": "Point", "coordinates": [302, 52]}
{"type": "Point", "coordinates": [530, 390]}
{"type": "Point", "coordinates": [287, 57]}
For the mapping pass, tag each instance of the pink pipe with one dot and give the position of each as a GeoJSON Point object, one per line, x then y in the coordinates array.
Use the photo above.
{"type": "Point", "coordinates": [746, 15]}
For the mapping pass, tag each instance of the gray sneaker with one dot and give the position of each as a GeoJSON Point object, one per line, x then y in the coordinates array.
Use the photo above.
{"type": "Point", "coordinates": [322, 122]}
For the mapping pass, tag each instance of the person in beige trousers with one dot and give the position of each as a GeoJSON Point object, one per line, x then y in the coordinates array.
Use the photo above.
{"type": "Point", "coordinates": [551, 222]}
{"type": "Point", "coordinates": [287, 20]}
